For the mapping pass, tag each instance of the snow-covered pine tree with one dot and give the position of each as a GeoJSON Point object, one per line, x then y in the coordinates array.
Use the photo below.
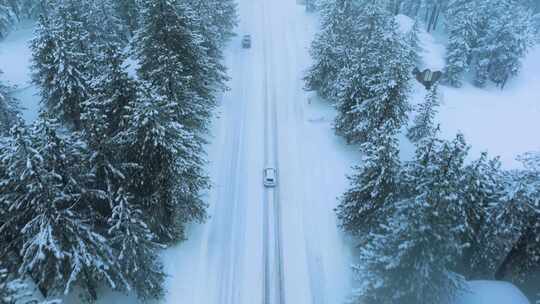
{"type": "Point", "coordinates": [482, 188]}
{"type": "Point", "coordinates": [424, 124]}
{"type": "Point", "coordinates": [170, 176]}
{"type": "Point", "coordinates": [207, 17]}
{"type": "Point", "coordinates": [9, 109]}
{"type": "Point", "coordinates": [102, 24]}
{"type": "Point", "coordinates": [505, 41]}
{"type": "Point", "coordinates": [6, 18]}
{"type": "Point", "coordinates": [374, 85]}
{"type": "Point", "coordinates": [330, 48]}
{"type": "Point", "coordinates": [218, 18]}
{"type": "Point", "coordinates": [129, 12]}
{"type": "Point", "coordinates": [60, 62]}
{"type": "Point", "coordinates": [411, 8]}
{"type": "Point", "coordinates": [114, 91]}
{"type": "Point", "coordinates": [105, 121]}
{"type": "Point", "coordinates": [413, 39]}
{"type": "Point", "coordinates": [532, 5]}
{"type": "Point", "coordinates": [8, 15]}
{"type": "Point", "coordinates": [488, 37]}
{"type": "Point", "coordinates": [167, 125]}
{"type": "Point", "coordinates": [13, 291]}
{"type": "Point", "coordinates": [374, 189]}
{"type": "Point", "coordinates": [18, 291]}
{"type": "Point", "coordinates": [407, 247]}
{"type": "Point", "coordinates": [518, 215]}
{"type": "Point", "coordinates": [135, 247]}
{"type": "Point", "coordinates": [50, 217]}
{"type": "Point", "coordinates": [424, 237]}
{"type": "Point", "coordinates": [462, 38]}
{"type": "Point", "coordinates": [174, 63]}
{"type": "Point", "coordinates": [104, 112]}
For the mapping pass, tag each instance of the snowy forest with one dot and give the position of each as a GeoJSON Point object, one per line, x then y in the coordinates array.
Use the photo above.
{"type": "Point", "coordinates": [155, 119]}
{"type": "Point", "coordinates": [436, 220]}
{"type": "Point", "coordinates": [112, 170]}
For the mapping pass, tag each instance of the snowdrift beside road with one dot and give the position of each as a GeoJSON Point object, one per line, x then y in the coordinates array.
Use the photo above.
{"type": "Point", "coordinates": [492, 292]}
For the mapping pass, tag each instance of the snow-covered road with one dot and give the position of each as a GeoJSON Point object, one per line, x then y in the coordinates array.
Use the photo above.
{"type": "Point", "coordinates": [269, 245]}
{"type": "Point", "coordinates": [273, 280]}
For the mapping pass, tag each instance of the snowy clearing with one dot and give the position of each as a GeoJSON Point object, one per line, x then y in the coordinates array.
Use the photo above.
{"type": "Point", "coordinates": [504, 122]}
{"type": "Point", "coordinates": [15, 61]}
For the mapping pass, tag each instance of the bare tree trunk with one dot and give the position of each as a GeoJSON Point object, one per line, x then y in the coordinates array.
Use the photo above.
{"type": "Point", "coordinates": [433, 18]}
{"type": "Point", "coordinates": [397, 6]}
{"type": "Point", "coordinates": [436, 22]}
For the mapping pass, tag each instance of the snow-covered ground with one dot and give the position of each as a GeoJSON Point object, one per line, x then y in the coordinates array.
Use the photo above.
{"type": "Point", "coordinates": [223, 260]}
{"type": "Point", "coordinates": [15, 56]}
{"type": "Point", "coordinates": [492, 292]}
{"type": "Point", "coordinates": [504, 122]}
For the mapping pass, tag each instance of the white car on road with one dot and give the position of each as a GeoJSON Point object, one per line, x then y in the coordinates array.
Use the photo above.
{"type": "Point", "coordinates": [270, 177]}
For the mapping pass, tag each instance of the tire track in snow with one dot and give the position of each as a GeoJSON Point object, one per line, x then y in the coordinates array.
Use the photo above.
{"type": "Point", "coordinates": [232, 256]}
{"type": "Point", "coordinates": [273, 278]}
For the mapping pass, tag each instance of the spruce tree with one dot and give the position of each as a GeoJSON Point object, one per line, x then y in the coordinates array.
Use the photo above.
{"type": "Point", "coordinates": [406, 262]}
{"type": "Point", "coordinates": [135, 247]}
{"type": "Point", "coordinates": [60, 63]}
{"type": "Point", "coordinates": [482, 188]}
{"type": "Point", "coordinates": [33, 8]}
{"type": "Point", "coordinates": [424, 124]}
{"type": "Point", "coordinates": [460, 26]}
{"type": "Point", "coordinates": [374, 87]}
{"type": "Point", "coordinates": [51, 216]}
{"type": "Point", "coordinates": [330, 48]}
{"type": "Point", "coordinates": [374, 188]}
{"type": "Point", "coordinates": [102, 24]}
{"type": "Point", "coordinates": [173, 61]}
{"type": "Point", "coordinates": [17, 291]}
{"type": "Point", "coordinates": [218, 19]}
{"type": "Point", "coordinates": [506, 41]}
{"type": "Point", "coordinates": [424, 237]}
{"type": "Point", "coordinates": [170, 176]}
{"type": "Point", "coordinates": [167, 124]}
{"type": "Point", "coordinates": [104, 113]}
{"type": "Point", "coordinates": [518, 222]}
{"type": "Point", "coordinates": [7, 17]}
{"type": "Point", "coordinates": [105, 121]}
{"type": "Point", "coordinates": [486, 37]}
{"type": "Point", "coordinates": [413, 39]}
{"type": "Point", "coordinates": [129, 12]}
{"type": "Point", "coordinates": [114, 91]}
{"type": "Point", "coordinates": [12, 291]}
{"type": "Point", "coordinates": [9, 109]}
{"type": "Point", "coordinates": [213, 23]}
